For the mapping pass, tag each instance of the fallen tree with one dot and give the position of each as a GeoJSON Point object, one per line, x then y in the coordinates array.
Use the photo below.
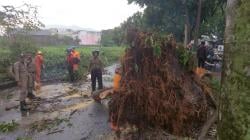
{"type": "Point", "coordinates": [155, 89]}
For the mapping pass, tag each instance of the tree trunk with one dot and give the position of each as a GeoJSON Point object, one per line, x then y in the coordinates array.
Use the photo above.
{"type": "Point", "coordinates": [187, 25]}
{"type": "Point", "coordinates": [197, 25]}
{"type": "Point", "coordinates": [234, 100]}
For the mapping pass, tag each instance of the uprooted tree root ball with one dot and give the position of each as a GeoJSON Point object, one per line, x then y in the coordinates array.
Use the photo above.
{"type": "Point", "coordinates": [155, 90]}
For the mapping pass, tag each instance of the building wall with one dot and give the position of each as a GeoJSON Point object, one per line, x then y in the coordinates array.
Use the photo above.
{"type": "Point", "coordinates": [53, 40]}
{"type": "Point", "coordinates": [89, 38]}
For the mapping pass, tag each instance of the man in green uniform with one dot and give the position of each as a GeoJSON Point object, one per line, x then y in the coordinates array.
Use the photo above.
{"type": "Point", "coordinates": [21, 77]}
{"type": "Point", "coordinates": [31, 68]}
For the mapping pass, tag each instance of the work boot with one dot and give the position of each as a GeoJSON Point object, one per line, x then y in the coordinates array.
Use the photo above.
{"type": "Point", "coordinates": [31, 96]}
{"type": "Point", "coordinates": [23, 106]}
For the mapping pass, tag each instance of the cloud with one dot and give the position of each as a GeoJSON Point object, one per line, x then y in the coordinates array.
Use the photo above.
{"type": "Point", "coordinates": [95, 14]}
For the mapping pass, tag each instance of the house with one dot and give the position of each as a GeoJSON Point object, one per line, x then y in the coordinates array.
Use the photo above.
{"type": "Point", "coordinates": [88, 37]}
{"type": "Point", "coordinates": [60, 36]}
{"type": "Point", "coordinates": [39, 36]}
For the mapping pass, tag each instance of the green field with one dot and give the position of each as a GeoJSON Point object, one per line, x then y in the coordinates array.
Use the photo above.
{"type": "Point", "coordinates": [55, 58]}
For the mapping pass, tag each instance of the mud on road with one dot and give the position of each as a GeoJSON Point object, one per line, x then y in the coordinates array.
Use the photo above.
{"type": "Point", "coordinates": [66, 112]}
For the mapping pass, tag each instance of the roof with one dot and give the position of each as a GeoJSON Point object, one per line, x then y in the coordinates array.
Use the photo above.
{"type": "Point", "coordinates": [34, 33]}
{"type": "Point", "coordinates": [41, 33]}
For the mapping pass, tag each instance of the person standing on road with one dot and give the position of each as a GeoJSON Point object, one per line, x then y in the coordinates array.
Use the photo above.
{"type": "Point", "coordinates": [76, 59]}
{"type": "Point", "coordinates": [96, 68]}
{"type": "Point", "coordinates": [31, 68]}
{"type": "Point", "coordinates": [117, 79]}
{"type": "Point", "coordinates": [21, 77]}
{"type": "Point", "coordinates": [201, 55]}
{"type": "Point", "coordinates": [39, 62]}
{"type": "Point", "coordinates": [70, 64]}
{"type": "Point", "coordinates": [75, 63]}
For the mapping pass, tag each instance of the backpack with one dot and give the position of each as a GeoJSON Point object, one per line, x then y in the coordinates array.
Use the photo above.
{"type": "Point", "coordinates": [11, 71]}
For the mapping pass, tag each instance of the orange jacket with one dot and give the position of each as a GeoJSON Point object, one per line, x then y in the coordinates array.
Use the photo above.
{"type": "Point", "coordinates": [76, 54]}
{"type": "Point", "coordinates": [116, 81]}
{"type": "Point", "coordinates": [75, 57]}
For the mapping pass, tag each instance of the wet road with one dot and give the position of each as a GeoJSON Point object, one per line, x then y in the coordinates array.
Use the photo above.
{"type": "Point", "coordinates": [67, 112]}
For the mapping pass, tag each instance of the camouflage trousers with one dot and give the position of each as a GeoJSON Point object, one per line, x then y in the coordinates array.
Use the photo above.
{"type": "Point", "coordinates": [26, 86]}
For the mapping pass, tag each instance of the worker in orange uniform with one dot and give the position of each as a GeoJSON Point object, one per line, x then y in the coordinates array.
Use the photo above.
{"type": "Point", "coordinates": [116, 87]}
{"type": "Point", "coordinates": [39, 62]}
{"type": "Point", "coordinates": [117, 79]}
{"type": "Point", "coordinates": [76, 59]}
{"type": "Point", "coordinates": [70, 64]}
{"type": "Point", "coordinates": [73, 61]}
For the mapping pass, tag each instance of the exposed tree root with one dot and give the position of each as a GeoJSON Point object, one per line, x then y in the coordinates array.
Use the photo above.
{"type": "Point", "coordinates": [156, 91]}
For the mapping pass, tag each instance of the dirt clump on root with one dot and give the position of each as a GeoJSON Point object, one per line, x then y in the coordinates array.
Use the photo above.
{"type": "Point", "coordinates": [155, 90]}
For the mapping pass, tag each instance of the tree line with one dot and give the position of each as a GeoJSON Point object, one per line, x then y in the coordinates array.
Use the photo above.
{"type": "Point", "coordinates": [185, 19]}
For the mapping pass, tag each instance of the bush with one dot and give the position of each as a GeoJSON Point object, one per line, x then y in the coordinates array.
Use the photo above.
{"type": "Point", "coordinates": [11, 50]}
{"type": "Point", "coordinates": [184, 56]}
{"type": "Point", "coordinates": [21, 44]}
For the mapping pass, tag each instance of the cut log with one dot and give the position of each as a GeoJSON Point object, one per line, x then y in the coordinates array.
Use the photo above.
{"type": "Point", "coordinates": [101, 94]}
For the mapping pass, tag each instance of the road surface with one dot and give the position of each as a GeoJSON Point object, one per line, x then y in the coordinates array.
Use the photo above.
{"type": "Point", "coordinates": [66, 112]}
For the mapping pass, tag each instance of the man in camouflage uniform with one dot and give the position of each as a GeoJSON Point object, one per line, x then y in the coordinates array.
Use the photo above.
{"type": "Point", "coordinates": [24, 71]}
{"type": "Point", "coordinates": [31, 68]}
{"type": "Point", "coordinates": [21, 77]}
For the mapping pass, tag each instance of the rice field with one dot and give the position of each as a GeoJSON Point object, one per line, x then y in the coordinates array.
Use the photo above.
{"type": "Point", "coordinates": [55, 59]}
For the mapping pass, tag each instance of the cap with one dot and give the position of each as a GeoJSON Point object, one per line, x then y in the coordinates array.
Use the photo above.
{"type": "Point", "coordinates": [39, 52]}
{"type": "Point", "coordinates": [21, 55]}
{"type": "Point", "coordinates": [95, 51]}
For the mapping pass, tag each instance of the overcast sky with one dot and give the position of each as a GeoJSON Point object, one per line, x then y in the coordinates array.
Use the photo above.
{"type": "Point", "coordinates": [94, 14]}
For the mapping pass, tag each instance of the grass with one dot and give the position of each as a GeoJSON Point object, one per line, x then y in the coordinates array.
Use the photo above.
{"type": "Point", "coordinates": [58, 53]}
{"type": "Point", "coordinates": [23, 138]}
{"type": "Point", "coordinates": [8, 127]}
{"type": "Point", "coordinates": [55, 60]}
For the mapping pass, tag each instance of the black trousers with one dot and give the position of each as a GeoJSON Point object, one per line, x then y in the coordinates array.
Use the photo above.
{"type": "Point", "coordinates": [71, 73]}
{"type": "Point", "coordinates": [201, 62]}
{"type": "Point", "coordinates": [96, 74]}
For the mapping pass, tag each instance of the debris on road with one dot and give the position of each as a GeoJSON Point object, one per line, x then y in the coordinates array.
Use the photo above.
{"type": "Point", "coordinates": [73, 112]}
{"type": "Point", "coordinates": [57, 131]}
{"type": "Point", "coordinates": [47, 124]}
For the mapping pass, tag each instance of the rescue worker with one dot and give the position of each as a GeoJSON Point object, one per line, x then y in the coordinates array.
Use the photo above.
{"type": "Point", "coordinates": [96, 68]}
{"type": "Point", "coordinates": [39, 62]}
{"type": "Point", "coordinates": [70, 64]}
{"type": "Point", "coordinates": [117, 79]}
{"type": "Point", "coordinates": [31, 68]}
{"type": "Point", "coordinates": [116, 86]}
{"type": "Point", "coordinates": [76, 59]}
{"type": "Point", "coordinates": [21, 77]}
{"type": "Point", "coordinates": [201, 55]}
{"type": "Point", "coordinates": [73, 60]}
